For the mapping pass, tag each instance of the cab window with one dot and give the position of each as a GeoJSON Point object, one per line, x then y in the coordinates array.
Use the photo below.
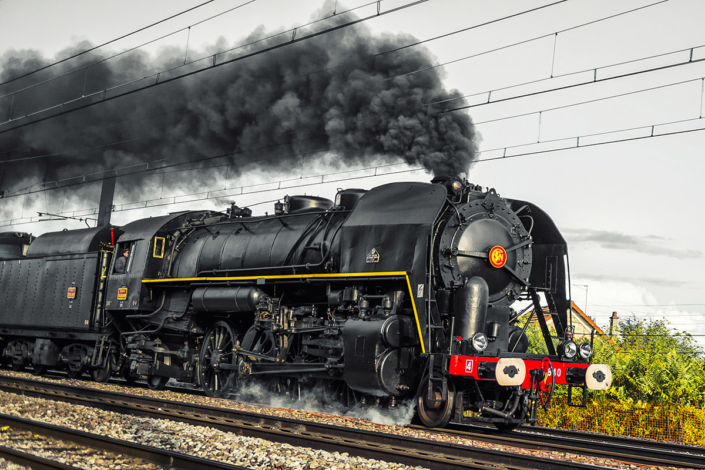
{"type": "Point", "coordinates": [123, 259]}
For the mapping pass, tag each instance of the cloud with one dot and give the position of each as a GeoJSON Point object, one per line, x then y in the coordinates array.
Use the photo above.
{"type": "Point", "coordinates": [648, 244]}
{"type": "Point", "coordinates": [656, 281]}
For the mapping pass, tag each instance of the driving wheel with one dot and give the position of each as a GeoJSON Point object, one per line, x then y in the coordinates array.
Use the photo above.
{"type": "Point", "coordinates": [435, 413]}
{"type": "Point", "coordinates": [216, 351]}
{"type": "Point", "coordinates": [157, 382]}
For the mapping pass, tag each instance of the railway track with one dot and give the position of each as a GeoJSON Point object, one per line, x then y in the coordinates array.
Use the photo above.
{"type": "Point", "coordinates": [160, 457]}
{"type": "Point", "coordinates": [436, 455]}
{"type": "Point", "coordinates": [602, 446]}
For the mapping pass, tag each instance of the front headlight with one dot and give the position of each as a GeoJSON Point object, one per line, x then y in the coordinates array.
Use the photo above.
{"type": "Point", "coordinates": [479, 342]}
{"type": "Point", "coordinates": [568, 349]}
{"type": "Point", "coordinates": [585, 350]}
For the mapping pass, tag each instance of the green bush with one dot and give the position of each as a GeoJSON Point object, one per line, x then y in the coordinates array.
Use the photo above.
{"type": "Point", "coordinates": [650, 363]}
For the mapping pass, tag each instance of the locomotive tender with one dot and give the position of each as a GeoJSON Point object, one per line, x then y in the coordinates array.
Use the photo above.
{"type": "Point", "coordinates": [403, 292]}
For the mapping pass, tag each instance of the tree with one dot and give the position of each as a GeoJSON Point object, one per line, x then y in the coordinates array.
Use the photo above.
{"type": "Point", "coordinates": [650, 362]}
{"type": "Point", "coordinates": [653, 363]}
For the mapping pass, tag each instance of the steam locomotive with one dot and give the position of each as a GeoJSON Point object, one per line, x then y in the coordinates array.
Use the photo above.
{"type": "Point", "coordinates": [403, 292]}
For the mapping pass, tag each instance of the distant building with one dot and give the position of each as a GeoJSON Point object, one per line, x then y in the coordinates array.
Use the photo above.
{"type": "Point", "coordinates": [583, 324]}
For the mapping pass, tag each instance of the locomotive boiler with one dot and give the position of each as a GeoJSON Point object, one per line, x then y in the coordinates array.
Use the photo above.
{"type": "Point", "coordinates": [403, 292]}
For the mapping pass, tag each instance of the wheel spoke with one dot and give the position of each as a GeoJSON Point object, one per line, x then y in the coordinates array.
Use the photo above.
{"type": "Point", "coordinates": [217, 347]}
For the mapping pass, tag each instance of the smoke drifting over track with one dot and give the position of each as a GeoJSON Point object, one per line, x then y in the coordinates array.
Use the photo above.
{"type": "Point", "coordinates": [272, 111]}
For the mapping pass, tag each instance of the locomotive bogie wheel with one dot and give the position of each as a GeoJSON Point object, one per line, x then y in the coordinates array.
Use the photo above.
{"type": "Point", "coordinates": [157, 382]}
{"type": "Point", "coordinates": [103, 373]}
{"type": "Point", "coordinates": [435, 414]}
{"type": "Point", "coordinates": [16, 365]}
{"type": "Point", "coordinates": [39, 369]}
{"type": "Point", "coordinates": [217, 349]}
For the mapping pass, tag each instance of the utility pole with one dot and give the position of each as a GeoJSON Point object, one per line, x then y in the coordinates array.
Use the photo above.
{"type": "Point", "coordinates": [105, 209]}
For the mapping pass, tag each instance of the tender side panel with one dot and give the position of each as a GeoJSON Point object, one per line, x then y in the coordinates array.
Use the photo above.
{"type": "Point", "coordinates": [48, 292]}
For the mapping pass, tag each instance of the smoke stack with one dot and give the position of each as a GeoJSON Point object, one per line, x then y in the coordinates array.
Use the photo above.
{"type": "Point", "coordinates": [614, 323]}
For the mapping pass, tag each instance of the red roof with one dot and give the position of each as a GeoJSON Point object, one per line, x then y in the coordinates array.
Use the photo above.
{"type": "Point", "coordinates": [580, 313]}
{"type": "Point", "coordinates": [587, 319]}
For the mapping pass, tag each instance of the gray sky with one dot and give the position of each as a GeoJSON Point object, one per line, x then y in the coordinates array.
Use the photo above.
{"type": "Point", "coordinates": [631, 211]}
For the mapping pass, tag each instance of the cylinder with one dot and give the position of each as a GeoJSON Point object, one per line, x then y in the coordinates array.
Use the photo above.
{"type": "Point", "coordinates": [471, 307]}
{"type": "Point", "coordinates": [226, 299]}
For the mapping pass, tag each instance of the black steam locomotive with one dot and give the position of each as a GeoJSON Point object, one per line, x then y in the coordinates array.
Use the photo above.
{"type": "Point", "coordinates": [403, 292]}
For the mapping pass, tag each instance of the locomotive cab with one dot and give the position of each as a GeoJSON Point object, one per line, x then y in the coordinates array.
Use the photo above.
{"type": "Point", "coordinates": [14, 244]}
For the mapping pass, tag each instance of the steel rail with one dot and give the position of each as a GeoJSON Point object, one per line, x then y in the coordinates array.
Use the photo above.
{"type": "Point", "coordinates": [624, 440]}
{"type": "Point", "coordinates": [32, 461]}
{"type": "Point", "coordinates": [436, 455]}
{"type": "Point", "coordinates": [156, 455]}
{"type": "Point", "coordinates": [622, 449]}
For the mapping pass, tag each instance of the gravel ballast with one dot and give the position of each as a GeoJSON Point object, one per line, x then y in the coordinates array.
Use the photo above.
{"type": "Point", "coordinates": [177, 436]}
{"type": "Point", "coordinates": [198, 441]}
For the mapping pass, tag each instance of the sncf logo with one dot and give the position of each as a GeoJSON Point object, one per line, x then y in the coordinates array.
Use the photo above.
{"type": "Point", "coordinates": [498, 256]}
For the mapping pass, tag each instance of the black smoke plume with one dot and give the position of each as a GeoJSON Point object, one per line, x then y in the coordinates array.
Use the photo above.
{"type": "Point", "coordinates": [271, 111]}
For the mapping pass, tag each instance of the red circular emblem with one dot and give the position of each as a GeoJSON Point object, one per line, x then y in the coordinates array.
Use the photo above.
{"type": "Point", "coordinates": [498, 256]}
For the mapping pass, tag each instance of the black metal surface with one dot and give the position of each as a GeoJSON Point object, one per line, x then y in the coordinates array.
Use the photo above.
{"type": "Point", "coordinates": [12, 244]}
{"type": "Point", "coordinates": [368, 444]}
{"type": "Point", "coordinates": [35, 291]}
{"type": "Point", "coordinates": [549, 249]}
{"type": "Point", "coordinates": [395, 220]}
{"type": "Point", "coordinates": [380, 366]}
{"type": "Point", "coordinates": [260, 243]}
{"type": "Point", "coordinates": [165, 458]}
{"type": "Point", "coordinates": [139, 236]}
{"type": "Point", "coordinates": [87, 240]}
{"type": "Point", "coordinates": [471, 309]}
{"type": "Point", "coordinates": [390, 230]}
{"type": "Point", "coordinates": [608, 447]}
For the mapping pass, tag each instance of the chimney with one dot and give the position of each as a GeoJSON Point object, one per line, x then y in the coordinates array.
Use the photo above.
{"type": "Point", "coordinates": [614, 323]}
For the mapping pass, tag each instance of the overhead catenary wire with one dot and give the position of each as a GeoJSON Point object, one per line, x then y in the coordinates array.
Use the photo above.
{"type": "Point", "coordinates": [593, 70]}
{"type": "Point", "coordinates": [595, 100]}
{"type": "Point", "coordinates": [356, 170]}
{"type": "Point", "coordinates": [104, 145]}
{"type": "Point", "coordinates": [240, 46]}
{"type": "Point", "coordinates": [103, 44]}
{"type": "Point", "coordinates": [110, 126]}
{"type": "Point", "coordinates": [597, 134]}
{"type": "Point", "coordinates": [118, 54]}
{"type": "Point", "coordinates": [189, 31]}
{"type": "Point", "coordinates": [575, 85]}
{"type": "Point", "coordinates": [216, 194]}
{"type": "Point", "coordinates": [647, 305]}
{"type": "Point", "coordinates": [211, 66]}
{"type": "Point", "coordinates": [70, 152]}
{"type": "Point", "coordinates": [85, 178]}
{"type": "Point", "coordinates": [162, 37]}
{"type": "Point", "coordinates": [114, 172]}
{"type": "Point", "coordinates": [525, 41]}
{"type": "Point", "coordinates": [465, 29]}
